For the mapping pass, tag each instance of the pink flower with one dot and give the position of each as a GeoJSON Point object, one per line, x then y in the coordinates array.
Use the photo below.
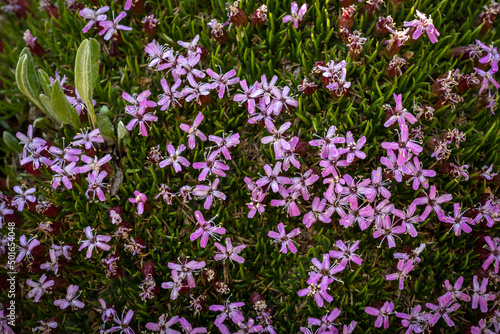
{"type": "Point", "coordinates": [288, 202]}
{"type": "Point", "coordinates": [186, 269]}
{"type": "Point", "coordinates": [175, 158]}
{"type": "Point", "coordinates": [94, 16]}
{"type": "Point", "coordinates": [25, 247]}
{"type": "Point", "coordinates": [94, 241]}
{"type": "Point", "coordinates": [211, 165]}
{"type": "Point", "coordinates": [346, 253]}
{"type": "Point", "coordinates": [272, 178]}
{"type": "Point", "coordinates": [278, 137]}
{"type": "Point", "coordinates": [409, 219]}
{"type": "Point", "coordinates": [492, 55]}
{"type": "Point", "coordinates": [284, 238]}
{"type": "Point", "coordinates": [176, 285]}
{"type": "Point", "coordinates": [70, 299]}
{"type": "Point", "coordinates": [192, 130]}
{"type": "Point", "coordinates": [328, 141]}
{"type": "Point", "coordinates": [256, 203]}
{"type": "Point", "coordinates": [399, 113]}
{"type": "Point", "coordinates": [229, 310]}
{"type": "Point", "coordinates": [458, 221]}
{"type": "Point", "coordinates": [324, 272]}
{"type": "Point", "coordinates": [318, 293]}
{"type": "Point", "coordinates": [382, 314]}
{"type": "Point", "coordinates": [38, 289]}
{"type": "Point", "coordinates": [415, 322]}
{"type": "Point", "coordinates": [95, 181]}
{"type": "Point", "coordinates": [170, 94]}
{"type": "Point", "coordinates": [453, 292]}
{"type": "Point", "coordinates": [111, 28]}
{"type": "Point", "coordinates": [206, 229]}
{"type": "Point", "coordinates": [405, 147]}
{"type": "Point", "coordinates": [296, 15]}
{"type": "Point", "coordinates": [140, 199]}
{"type": "Point", "coordinates": [433, 202]}
{"type": "Point", "coordinates": [388, 230]}
{"type": "Point", "coordinates": [141, 118]}
{"type": "Point", "coordinates": [123, 324]}
{"type": "Point", "coordinates": [229, 252]}
{"type": "Point", "coordinates": [208, 193]}
{"type": "Point", "coordinates": [225, 143]}
{"type": "Point", "coordinates": [317, 213]}
{"type": "Point", "coordinates": [249, 96]}
{"type": "Point", "coordinates": [423, 23]}
{"type": "Point", "coordinates": [281, 99]}
{"type": "Point", "coordinates": [487, 78]}
{"type": "Point", "coordinates": [87, 139]}
{"type": "Point", "coordinates": [192, 46]}
{"type": "Point", "coordinates": [441, 311]}
{"type": "Point", "coordinates": [493, 245]}
{"type": "Point", "coordinates": [404, 268]}
{"type": "Point", "coordinates": [22, 197]}
{"type": "Point", "coordinates": [163, 325]}
{"type": "Point", "coordinates": [326, 323]}
{"type": "Point", "coordinates": [221, 82]}
{"type": "Point", "coordinates": [480, 296]}
{"type": "Point", "coordinates": [302, 182]}
{"type": "Point", "coordinates": [353, 149]}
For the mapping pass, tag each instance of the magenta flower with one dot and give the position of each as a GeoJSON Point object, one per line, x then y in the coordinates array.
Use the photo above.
{"type": "Point", "coordinates": [188, 328]}
{"type": "Point", "coordinates": [453, 292]}
{"type": "Point", "coordinates": [186, 66]}
{"type": "Point", "coordinates": [110, 28]}
{"type": "Point", "coordinates": [433, 202]}
{"type": "Point", "coordinates": [249, 96]}
{"type": "Point", "coordinates": [487, 78]}
{"type": "Point", "coordinates": [64, 175]}
{"type": "Point", "coordinates": [362, 216]}
{"type": "Point", "coordinates": [94, 241]}
{"type": "Point", "coordinates": [140, 199]}
{"type": "Point", "coordinates": [327, 322]}
{"type": "Point", "coordinates": [249, 327]}
{"type": "Point", "coordinates": [318, 293]}
{"type": "Point", "coordinates": [38, 289]}
{"type": "Point", "coordinates": [22, 197]}
{"type": "Point", "coordinates": [175, 158]}
{"type": "Point", "coordinates": [415, 321]}
{"type": "Point", "coordinates": [400, 114]}
{"type": "Point", "coordinates": [95, 181]}
{"type": "Point", "coordinates": [459, 222]}
{"type": "Point", "coordinates": [404, 268]}
{"type": "Point", "coordinates": [141, 118]}
{"type": "Point", "coordinates": [229, 252]}
{"type": "Point", "coordinates": [28, 141]}
{"type": "Point", "coordinates": [423, 23]}
{"type": "Point", "coordinates": [480, 296]}
{"type": "Point", "coordinates": [441, 311]}
{"type": "Point", "coordinates": [4, 211]}
{"type": "Point", "coordinates": [304, 181]}
{"type": "Point", "coordinates": [137, 101]}
{"type": "Point", "coordinates": [409, 219]}
{"type": "Point", "coordinates": [382, 314]}
{"type": "Point", "coordinates": [192, 130]}
{"type": "Point", "coordinates": [196, 90]}
{"type": "Point", "coordinates": [87, 139]}
{"type": "Point", "coordinates": [163, 325]}
{"type": "Point", "coordinates": [278, 137]}
{"type": "Point", "coordinates": [107, 312]}
{"type": "Point", "coordinates": [70, 299]}
{"type": "Point", "coordinates": [123, 324]}
{"type": "Point", "coordinates": [229, 310]}
{"type": "Point", "coordinates": [394, 165]}
{"type": "Point", "coordinates": [256, 203]}
{"type": "Point", "coordinates": [206, 230]}
{"type": "Point", "coordinates": [267, 87]}
{"type": "Point", "coordinates": [324, 272]}
{"type": "Point", "coordinates": [94, 16]}
{"type": "Point", "coordinates": [404, 145]}
{"type": "Point", "coordinates": [290, 156]}
{"type": "Point", "coordinates": [346, 253]}
{"type": "Point", "coordinates": [211, 165]}
{"type": "Point", "coordinates": [328, 141]}
{"type": "Point", "coordinates": [288, 202]}
{"type": "Point", "coordinates": [353, 149]}
{"type": "Point", "coordinates": [192, 46]}
{"type": "Point", "coordinates": [208, 193]}
{"type": "Point", "coordinates": [317, 213]}
{"type": "Point", "coordinates": [388, 230]}
{"type": "Point", "coordinates": [186, 269]}
{"type": "Point", "coordinates": [176, 285]}
{"type": "Point", "coordinates": [225, 143]}
{"type": "Point", "coordinates": [296, 15]}
{"type": "Point", "coordinates": [25, 247]}
{"type": "Point", "coordinates": [492, 56]}
{"type": "Point", "coordinates": [493, 245]}
{"type": "Point", "coordinates": [284, 238]}
{"type": "Point", "coordinates": [221, 82]}
{"type": "Point", "coordinates": [281, 99]}
{"type": "Point", "coordinates": [170, 94]}
{"type": "Point", "coordinates": [272, 178]}
{"type": "Point", "coordinates": [418, 174]}
{"type": "Point", "coordinates": [332, 163]}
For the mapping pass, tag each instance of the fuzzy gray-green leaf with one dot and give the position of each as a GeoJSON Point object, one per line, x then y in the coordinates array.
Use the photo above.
{"type": "Point", "coordinates": [62, 108]}
{"type": "Point", "coordinates": [86, 73]}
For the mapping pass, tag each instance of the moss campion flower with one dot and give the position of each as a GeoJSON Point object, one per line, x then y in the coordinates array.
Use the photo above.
{"type": "Point", "coordinates": [110, 28]}
{"type": "Point", "coordinates": [229, 252]}
{"type": "Point", "coordinates": [94, 241]}
{"type": "Point", "coordinates": [423, 24]}
{"type": "Point", "coordinates": [206, 229]}
{"type": "Point", "coordinates": [296, 15]}
{"type": "Point", "coordinates": [70, 299]}
{"type": "Point", "coordinates": [140, 199]}
{"type": "Point", "coordinates": [284, 238]}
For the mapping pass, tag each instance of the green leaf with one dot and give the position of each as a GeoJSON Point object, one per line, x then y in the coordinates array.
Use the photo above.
{"type": "Point", "coordinates": [41, 123]}
{"type": "Point", "coordinates": [105, 126]}
{"type": "Point", "coordinates": [121, 130]}
{"type": "Point", "coordinates": [11, 142]}
{"type": "Point", "coordinates": [86, 74]}
{"type": "Point", "coordinates": [62, 108]}
{"type": "Point", "coordinates": [44, 81]}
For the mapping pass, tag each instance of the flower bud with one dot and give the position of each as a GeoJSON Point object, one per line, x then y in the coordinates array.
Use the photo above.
{"type": "Point", "coordinates": [150, 23]}
{"type": "Point", "coordinates": [256, 297]}
{"type": "Point", "coordinates": [148, 268]}
{"type": "Point", "coordinates": [60, 283]}
{"type": "Point", "coordinates": [346, 20]}
{"type": "Point", "coordinates": [301, 148]}
{"type": "Point", "coordinates": [236, 15]}
{"type": "Point", "coordinates": [50, 8]}
{"type": "Point", "coordinates": [380, 29]}
{"type": "Point", "coordinates": [307, 87]}
{"type": "Point", "coordinates": [137, 6]}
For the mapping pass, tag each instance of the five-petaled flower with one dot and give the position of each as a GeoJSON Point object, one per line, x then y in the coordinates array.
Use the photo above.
{"type": "Point", "coordinates": [284, 238]}
{"type": "Point", "coordinates": [296, 14]}
{"type": "Point", "coordinates": [229, 252]}
{"type": "Point", "coordinates": [94, 241]}
{"type": "Point", "coordinates": [70, 300]}
{"type": "Point", "coordinates": [140, 199]}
